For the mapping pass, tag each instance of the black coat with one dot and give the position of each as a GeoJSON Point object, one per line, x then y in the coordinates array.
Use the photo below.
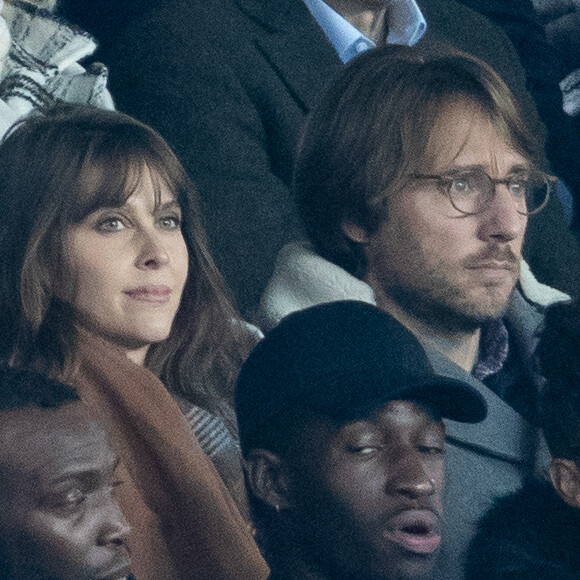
{"type": "Point", "coordinates": [531, 535]}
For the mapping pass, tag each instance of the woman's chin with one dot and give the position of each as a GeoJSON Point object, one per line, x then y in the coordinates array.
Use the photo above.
{"type": "Point", "coordinates": [137, 342]}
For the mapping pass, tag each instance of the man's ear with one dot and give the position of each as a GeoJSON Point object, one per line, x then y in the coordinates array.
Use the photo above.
{"type": "Point", "coordinates": [267, 478]}
{"type": "Point", "coordinates": [565, 476]}
{"type": "Point", "coordinates": [355, 232]}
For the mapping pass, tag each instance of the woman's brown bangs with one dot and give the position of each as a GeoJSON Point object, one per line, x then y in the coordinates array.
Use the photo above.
{"type": "Point", "coordinates": [107, 180]}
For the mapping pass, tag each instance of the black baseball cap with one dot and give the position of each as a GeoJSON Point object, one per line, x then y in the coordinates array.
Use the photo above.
{"type": "Point", "coordinates": [342, 360]}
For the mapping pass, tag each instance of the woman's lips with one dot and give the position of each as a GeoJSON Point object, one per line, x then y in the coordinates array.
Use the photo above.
{"type": "Point", "coordinates": [151, 294]}
{"type": "Point", "coordinates": [416, 531]}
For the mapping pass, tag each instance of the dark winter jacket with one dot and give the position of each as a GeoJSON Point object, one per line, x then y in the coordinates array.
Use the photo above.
{"type": "Point", "coordinates": [532, 535]}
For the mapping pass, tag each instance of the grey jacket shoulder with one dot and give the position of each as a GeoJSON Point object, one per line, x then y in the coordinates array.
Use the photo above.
{"type": "Point", "coordinates": [504, 435]}
{"type": "Point", "coordinates": [490, 459]}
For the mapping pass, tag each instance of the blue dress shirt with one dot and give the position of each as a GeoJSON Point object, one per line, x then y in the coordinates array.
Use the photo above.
{"type": "Point", "coordinates": [406, 25]}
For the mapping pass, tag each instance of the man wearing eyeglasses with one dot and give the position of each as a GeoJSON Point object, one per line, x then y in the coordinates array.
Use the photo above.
{"type": "Point", "coordinates": [416, 180]}
{"type": "Point", "coordinates": [229, 83]}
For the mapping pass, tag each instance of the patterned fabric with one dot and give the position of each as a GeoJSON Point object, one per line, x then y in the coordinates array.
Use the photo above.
{"type": "Point", "coordinates": [211, 432]}
{"type": "Point", "coordinates": [571, 93]}
{"type": "Point", "coordinates": [40, 56]}
{"type": "Point", "coordinates": [493, 350]}
{"type": "Point", "coordinates": [217, 434]}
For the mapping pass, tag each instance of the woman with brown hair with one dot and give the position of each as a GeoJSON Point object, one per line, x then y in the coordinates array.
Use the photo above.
{"type": "Point", "coordinates": [107, 283]}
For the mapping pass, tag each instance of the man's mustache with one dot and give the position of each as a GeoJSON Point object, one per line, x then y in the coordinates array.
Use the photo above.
{"type": "Point", "coordinates": [493, 255]}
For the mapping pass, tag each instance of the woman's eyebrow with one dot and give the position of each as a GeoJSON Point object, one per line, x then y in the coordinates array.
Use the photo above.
{"type": "Point", "coordinates": [173, 204]}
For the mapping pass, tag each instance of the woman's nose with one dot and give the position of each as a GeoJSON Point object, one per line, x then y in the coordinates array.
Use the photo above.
{"type": "Point", "coordinates": [152, 253]}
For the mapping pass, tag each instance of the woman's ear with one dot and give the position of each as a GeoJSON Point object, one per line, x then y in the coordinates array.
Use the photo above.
{"type": "Point", "coordinates": [355, 232]}
{"type": "Point", "coordinates": [266, 476]}
{"type": "Point", "coordinates": [565, 476]}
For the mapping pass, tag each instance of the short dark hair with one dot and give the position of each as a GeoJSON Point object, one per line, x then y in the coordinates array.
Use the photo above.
{"type": "Point", "coordinates": [371, 132]}
{"type": "Point", "coordinates": [22, 388]}
{"type": "Point", "coordinates": [558, 354]}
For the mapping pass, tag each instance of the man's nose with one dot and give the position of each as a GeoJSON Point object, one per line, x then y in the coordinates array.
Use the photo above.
{"type": "Point", "coordinates": [502, 221]}
{"type": "Point", "coordinates": [114, 527]}
{"type": "Point", "coordinates": [411, 477]}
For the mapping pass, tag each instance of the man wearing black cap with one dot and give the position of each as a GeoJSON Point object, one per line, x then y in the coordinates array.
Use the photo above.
{"type": "Point", "coordinates": [344, 443]}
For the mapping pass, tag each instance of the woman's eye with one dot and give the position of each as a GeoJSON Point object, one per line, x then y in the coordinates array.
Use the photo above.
{"type": "Point", "coordinates": [170, 223]}
{"type": "Point", "coordinates": [110, 225]}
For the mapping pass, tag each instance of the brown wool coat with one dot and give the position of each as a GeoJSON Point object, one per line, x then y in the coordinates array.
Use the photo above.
{"type": "Point", "coordinates": [184, 523]}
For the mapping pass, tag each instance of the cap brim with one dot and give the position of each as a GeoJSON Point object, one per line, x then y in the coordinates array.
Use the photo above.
{"type": "Point", "coordinates": [454, 399]}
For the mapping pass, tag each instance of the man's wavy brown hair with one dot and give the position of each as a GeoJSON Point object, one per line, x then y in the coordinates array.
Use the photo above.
{"type": "Point", "coordinates": [371, 132]}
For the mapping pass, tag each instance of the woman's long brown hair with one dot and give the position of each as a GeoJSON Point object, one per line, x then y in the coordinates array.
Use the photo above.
{"type": "Point", "coordinates": [57, 168]}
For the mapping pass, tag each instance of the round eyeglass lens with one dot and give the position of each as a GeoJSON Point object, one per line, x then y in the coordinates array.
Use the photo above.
{"type": "Point", "coordinates": [537, 189]}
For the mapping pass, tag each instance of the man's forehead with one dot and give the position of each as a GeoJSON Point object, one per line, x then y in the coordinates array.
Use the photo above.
{"type": "Point", "coordinates": [34, 440]}
{"type": "Point", "coordinates": [406, 409]}
{"type": "Point", "coordinates": [375, 413]}
{"type": "Point", "coordinates": [464, 136]}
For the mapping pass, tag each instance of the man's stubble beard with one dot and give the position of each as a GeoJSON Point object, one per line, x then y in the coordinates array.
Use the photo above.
{"type": "Point", "coordinates": [447, 303]}
{"type": "Point", "coordinates": [449, 311]}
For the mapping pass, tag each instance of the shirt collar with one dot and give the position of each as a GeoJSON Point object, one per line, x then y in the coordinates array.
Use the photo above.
{"type": "Point", "coordinates": [405, 21]}
{"type": "Point", "coordinates": [407, 24]}
{"type": "Point", "coordinates": [341, 33]}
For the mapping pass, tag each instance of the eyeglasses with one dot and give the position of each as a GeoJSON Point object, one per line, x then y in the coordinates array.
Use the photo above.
{"type": "Point", "coordinates": [471, 192]}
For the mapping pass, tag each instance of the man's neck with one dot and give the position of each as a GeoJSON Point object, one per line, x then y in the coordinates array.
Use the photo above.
{"type": "Point", "coordinates": [461, 347]}
{"type": "Point", "coordinates": [369, 20]}
{"type": "Point", "coordinates": [289, 563]}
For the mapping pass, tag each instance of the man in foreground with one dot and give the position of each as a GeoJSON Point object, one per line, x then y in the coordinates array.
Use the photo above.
{"type": "Point", "coordinates": [58, 517]}
{"type": "Point", "coordinates": [340, 418]}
